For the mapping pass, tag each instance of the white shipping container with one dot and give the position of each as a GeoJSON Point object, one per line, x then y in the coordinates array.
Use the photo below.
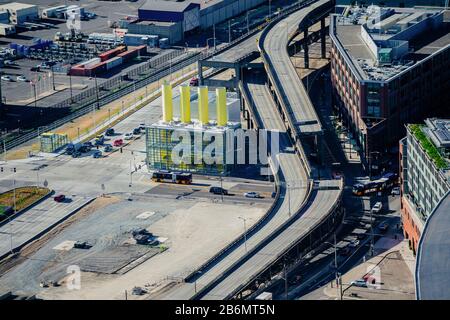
{"type": "Point", "coordinates": [51, 12]}
{"type": "Point", "coordinates": [164, 43]}
{"type": "Point", "coordinates": [7, 29]}
{"type": "Point", "coordinates": [114, 62]}
{"type": "Point", "coordinates": [153, 41]}
{"type": "Point", "coordinates": [92, 62]}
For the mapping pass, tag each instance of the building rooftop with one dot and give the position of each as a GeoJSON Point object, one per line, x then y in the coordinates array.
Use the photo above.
{"type": "Point", "coordinates": [433, 257]}
{"type": "Point", "coordinates": [168, 5]}
{"type": "Point", "coordinates": [17, 6]}
{"type": "Point", "coordinates": [383, 42]}
{"type": "Point", "coordinates": [434, 138]}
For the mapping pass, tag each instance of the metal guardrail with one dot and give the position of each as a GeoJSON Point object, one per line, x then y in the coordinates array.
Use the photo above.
{"type": "Point", "coordinates": [286, 250]}
{"type": "Point", "coordinates": [303, 158]}
{"type": "Point", "coordinates": [135, 85]}
{"type": "Point", "coordinates": [284, 13]}
{"type": "Point", "coordinates": [271, 72]}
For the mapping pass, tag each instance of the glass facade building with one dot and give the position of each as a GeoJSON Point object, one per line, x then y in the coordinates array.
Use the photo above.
{"type": "Point", "coordinates": [190, 148]}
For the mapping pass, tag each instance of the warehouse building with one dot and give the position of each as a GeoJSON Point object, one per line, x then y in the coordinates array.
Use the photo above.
{"type": "Point", "coordinates": [172, 19]}
{"type": "Point", "coordinates": [424, 174]}
{"type": "Point", "coordinates": [200, 114]}
{"type": "Point", "coordinates": [20, 13]}
{"type": "Point", "coordinates": [386, 66]}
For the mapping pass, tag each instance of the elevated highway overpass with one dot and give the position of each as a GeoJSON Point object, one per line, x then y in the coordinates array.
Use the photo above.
{"type": "Point", "coordinates": [303, 212]}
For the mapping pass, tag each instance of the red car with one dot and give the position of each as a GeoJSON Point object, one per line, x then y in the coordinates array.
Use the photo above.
{"type": "Point", "coordinates": [194, 82]}
{"type": "Point", "coordinates": [118, 142]}
{"type": "Point", "coordinates": [59, 198]}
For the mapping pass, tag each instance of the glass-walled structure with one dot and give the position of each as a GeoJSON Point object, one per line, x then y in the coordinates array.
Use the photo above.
{"type": "Point", "coordinates": [51, 142]}
{"type": "Point", "coordinates": [189, 148]}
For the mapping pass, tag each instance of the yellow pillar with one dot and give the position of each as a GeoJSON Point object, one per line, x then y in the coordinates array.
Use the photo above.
{"type": "Point", "coordinates": [203, 105]}
{"type": "Point", "coordinates": [185, 104]}
{"type": "Point", "coordinates": [221, 99]}
{"type": "Point", "coordinates": [167, 102]}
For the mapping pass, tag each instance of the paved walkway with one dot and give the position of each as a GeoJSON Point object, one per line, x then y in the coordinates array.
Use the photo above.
{"type": "Point", "coordinates": [25, 227]}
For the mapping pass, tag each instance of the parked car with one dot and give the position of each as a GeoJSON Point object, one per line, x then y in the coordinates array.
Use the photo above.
{"type": "Point", "coordinates": [6, 78]}
{"type": "Point", "coordinates": [8, 63]}
{"type": "Point", "coordinates": [336, 175]}
{"type": "Point", "coordinates": [36, 68]}
{"type": "Point", "coordinates": [21, 79]}
{"type": "Point", "coordinates": [395, 191]}
{"type": "Point", "coordinates": [360, 236]}
{"type": "Point", "coordinates": [128, 136]}
{"type": "Point", "coordinates": [252, 195]}
{"type": "Point", "coordinates": [109, 132]}
{"type": "Point", "coordinates": [383, 226]}
{"type": "Point", "coordinates": [97, 154]}
{"type": "Point", "coordinates": [118, 143]}
{"type": "Point", "coordinates": [137, 131]}
{"type": "Point", "coordinates": [359, 283]}
{"type": "Point", "coordinates": [354, 243]}
{"type": "Point", "coordinates": [218, 190]}
{"type": "Point", "coordinates": [107, 148]}
{"type": "Point", "coordinates": [194, 82]}
{"type": "Point", "coordinates": [59, 198]}
{"type": "Point", "coordinates": [377, 207]}
{"type": "Point", "coordinates": [142, 126]}
{"type": "Point", "coordinates": [76, 154]}
{"type": "Point", "coordinates": [81, 245]}
{"type": "Point", "coordinates": [345, 251]}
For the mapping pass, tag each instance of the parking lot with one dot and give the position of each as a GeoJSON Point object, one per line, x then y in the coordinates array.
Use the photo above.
{"type": "Point", "coordinates": [190, 232]}
{"type": "Point", "coordinates": [51, 88]}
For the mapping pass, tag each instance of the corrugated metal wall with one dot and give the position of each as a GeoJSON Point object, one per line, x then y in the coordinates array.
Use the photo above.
{"type": "Point", "coordinates": [225, 10]}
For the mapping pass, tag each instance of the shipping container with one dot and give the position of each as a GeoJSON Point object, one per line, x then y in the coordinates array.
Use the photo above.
{"type": "Point", "coordinates": [96, 70]}
{"type": "Point", "coordinates": [77, 71]}
{"type": "Point", "coordinates": [114, 62]}
{"type": "Point", "coordinates": [91, 62]}
{"type": "Point", "coordinates": [153, 41]}
{"type": "Point", "coordinates": [128, 55]}
{"type": "Point", "coordinates": [111, 53]}
{"type": "Point", "coordinates": [164, 43]}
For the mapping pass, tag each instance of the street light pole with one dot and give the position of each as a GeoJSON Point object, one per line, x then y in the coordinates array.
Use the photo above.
{"type": "Point", "coordinates": [289, 198]}
{"type": "Point", "coordinates": [245, 233]}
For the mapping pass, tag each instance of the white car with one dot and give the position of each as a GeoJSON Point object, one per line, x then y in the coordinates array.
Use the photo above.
{"type": "Point", "coordinates": [6, 78]}
{"type": "Point", "coordinates": [377, 207]}
{"type": "Point", "coordinates": [359, 283]}
{"type": "Point", "coordinates": [252, 195]}
{"type": "Point", "coordinates": [21, 79]}
{"type": "Point", "coordinates": [128, 136]}
{"type": "Point", "coordinates": [354, 243]}
{"type": "Point", "coordinates": [395, 191]}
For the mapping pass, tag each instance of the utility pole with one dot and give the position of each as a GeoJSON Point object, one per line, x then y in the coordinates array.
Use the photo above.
{"type": "Point", "coordinates": [289, 198]}
{"type": "Point", "coordinates": [1, 94]}
{"type": "Point", "coordinates": [70, 85]}
{"type": "Point", "coordinates": [214, 35]}
{"type": "Point", "coordinates": [35, 94]}
{"type": "Point", "coordinates": [221, 187]}
{"type": "Point", "coordinates": [285, 279]}
{"type": "Point", "coordinates": [248, 26]}
{"type": "Point", "coordinates": [96, 92]}
{"type": "Point", "coordinates": [53, 78]}
{"type": "Point", "coordinates": [245, 232]}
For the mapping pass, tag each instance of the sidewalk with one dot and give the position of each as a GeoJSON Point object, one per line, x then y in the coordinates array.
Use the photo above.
{"type": "Point", "coordinates": [394, 268]}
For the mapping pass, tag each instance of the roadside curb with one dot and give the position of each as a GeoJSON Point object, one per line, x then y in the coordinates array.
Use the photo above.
{"type": "Point", "coordinates": [46, 230]}
{"type": "Point", "coordinates": [20, 212]}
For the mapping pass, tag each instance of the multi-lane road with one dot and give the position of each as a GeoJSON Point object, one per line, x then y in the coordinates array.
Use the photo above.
{"type": "Point", "coordinates": [281, 71]}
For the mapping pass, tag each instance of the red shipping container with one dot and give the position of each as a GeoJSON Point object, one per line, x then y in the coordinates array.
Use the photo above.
{"type": "Point", "coordinates": [111, 53]}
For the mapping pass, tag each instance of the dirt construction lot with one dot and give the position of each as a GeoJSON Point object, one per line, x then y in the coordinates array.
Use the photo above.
{"type": "Point", "coordinates": [190, 232]}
